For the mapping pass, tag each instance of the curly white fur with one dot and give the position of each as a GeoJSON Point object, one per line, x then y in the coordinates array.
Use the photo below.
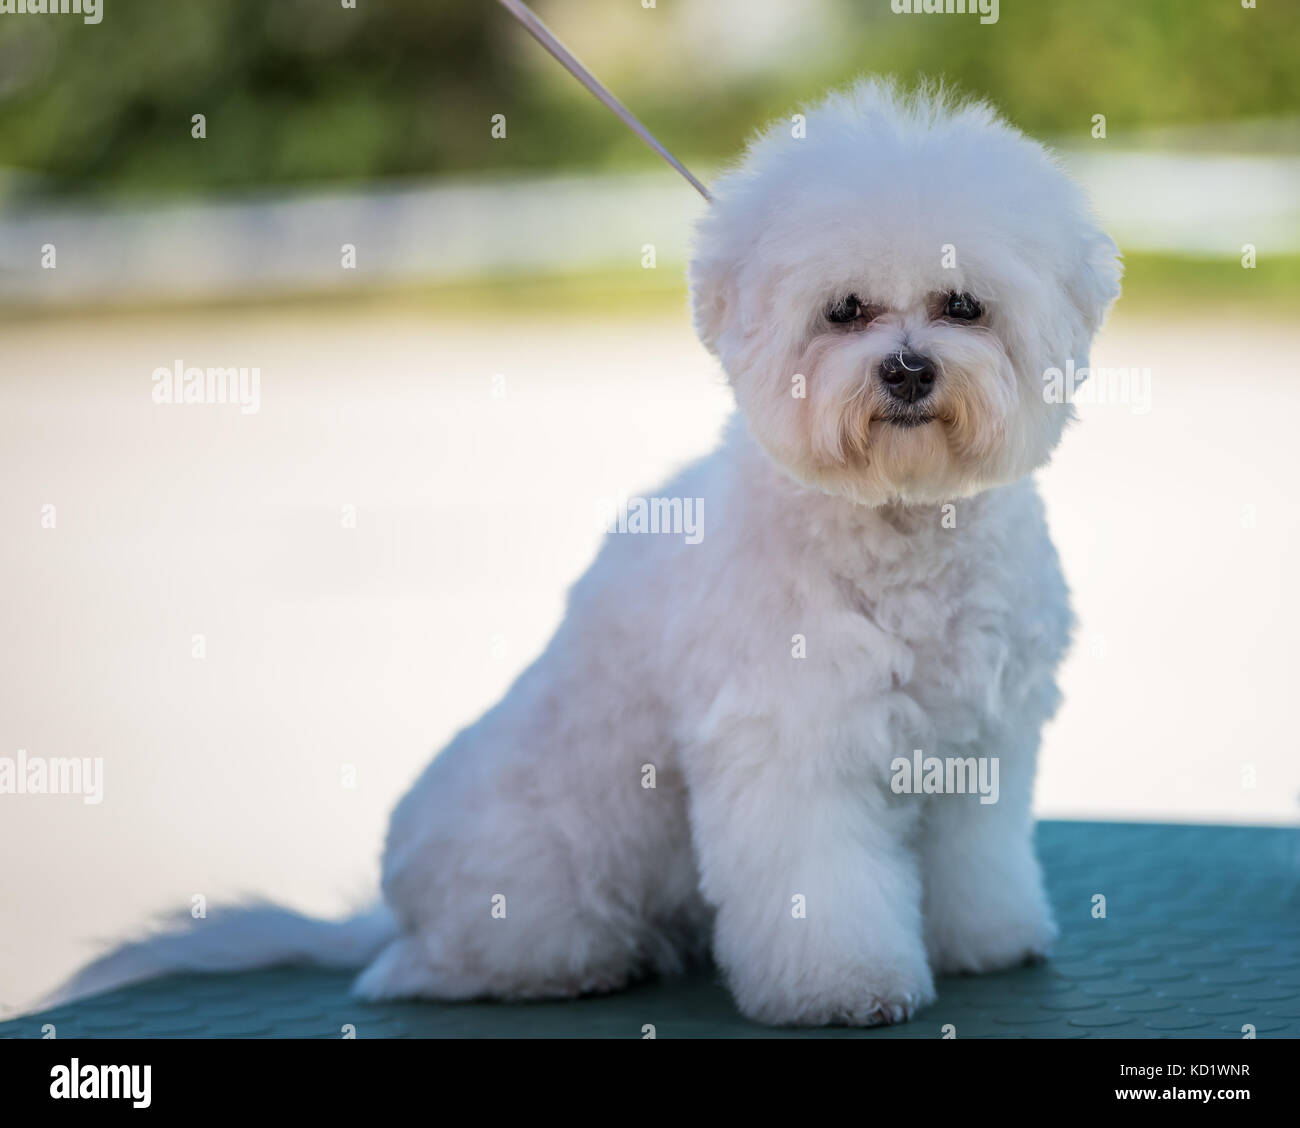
{"type": "Point", "coordinates": [862, 589]}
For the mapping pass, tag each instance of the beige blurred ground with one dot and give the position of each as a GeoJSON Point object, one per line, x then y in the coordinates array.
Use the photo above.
{"type": "Point", "coordinates": [329, 647]}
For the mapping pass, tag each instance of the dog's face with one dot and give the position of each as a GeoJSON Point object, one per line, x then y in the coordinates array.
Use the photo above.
{"type": "Point", "coordinates": [887, 291]}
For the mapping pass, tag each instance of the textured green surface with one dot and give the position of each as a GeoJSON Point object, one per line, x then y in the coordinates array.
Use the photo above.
{"type": "Point", "coordinates": [1201, 937]}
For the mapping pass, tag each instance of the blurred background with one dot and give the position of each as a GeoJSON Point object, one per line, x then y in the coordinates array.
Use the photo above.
{"type": "Point", "coordinates": [265, 622]}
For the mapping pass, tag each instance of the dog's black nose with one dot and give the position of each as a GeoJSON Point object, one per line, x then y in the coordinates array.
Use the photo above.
{"type": "Point", "coordinates": [908, 377]}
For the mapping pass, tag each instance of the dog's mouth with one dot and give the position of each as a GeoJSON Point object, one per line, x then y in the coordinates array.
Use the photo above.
{"type": "Point", "coordinates": [908, 419]}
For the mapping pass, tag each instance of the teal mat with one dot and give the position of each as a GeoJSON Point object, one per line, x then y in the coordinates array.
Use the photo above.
{"type": "Point", "coordinates": [1201, 938]}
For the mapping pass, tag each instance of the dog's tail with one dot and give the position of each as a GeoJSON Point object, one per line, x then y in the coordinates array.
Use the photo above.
{"type": "Point", "coordinates": [235, 939]}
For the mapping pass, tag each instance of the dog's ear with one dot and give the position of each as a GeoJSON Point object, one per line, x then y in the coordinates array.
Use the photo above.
{"type": "Point", "coordinates": [714, 294]}
{"type": "Point", "coordinates": [1094, 280]}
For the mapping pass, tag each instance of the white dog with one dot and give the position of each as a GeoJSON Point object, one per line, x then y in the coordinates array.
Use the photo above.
{"type": "Point", "coordinates": [713, 751]}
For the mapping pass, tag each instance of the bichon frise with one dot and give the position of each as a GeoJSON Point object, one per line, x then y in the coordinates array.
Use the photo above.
{"type": "Point", "coordinates": [718, 749]}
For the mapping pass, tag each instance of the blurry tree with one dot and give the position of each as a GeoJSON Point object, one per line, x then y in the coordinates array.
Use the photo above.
{"type": "Point", "coordinates": [300, 91]}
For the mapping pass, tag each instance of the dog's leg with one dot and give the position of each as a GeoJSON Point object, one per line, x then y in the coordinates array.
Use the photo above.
{"type": "Point", "coordinates": [553, 874]}
{"type": "Point", "coordinates": [817, 892]}
{"type": "Point", "coordinates": [985, 907]}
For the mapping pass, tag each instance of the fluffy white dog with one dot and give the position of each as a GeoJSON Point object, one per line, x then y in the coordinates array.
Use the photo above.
{"type": "Point", "coordinates": [710, 753]}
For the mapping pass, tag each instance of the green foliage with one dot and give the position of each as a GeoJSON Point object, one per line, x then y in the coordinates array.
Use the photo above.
{"type": "Point", "coordinates": [301, 91]}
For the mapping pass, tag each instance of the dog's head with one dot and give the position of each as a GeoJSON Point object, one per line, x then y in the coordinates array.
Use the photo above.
{"type": "Point", "coordinates": [886, 280]}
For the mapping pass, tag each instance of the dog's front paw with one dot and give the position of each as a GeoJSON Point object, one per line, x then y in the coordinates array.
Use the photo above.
{"type": "Point", "coordinates": [992, 938]}
{"type": "Point", "coordinates": [870, 994]}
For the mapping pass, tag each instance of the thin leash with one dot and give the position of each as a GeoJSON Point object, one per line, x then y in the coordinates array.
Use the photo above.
{"type": "Point", "coordinates": [546, 38]}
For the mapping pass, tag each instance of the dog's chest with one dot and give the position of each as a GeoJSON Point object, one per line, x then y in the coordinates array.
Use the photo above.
{"type": "Point", "coordinates": [957, 629]}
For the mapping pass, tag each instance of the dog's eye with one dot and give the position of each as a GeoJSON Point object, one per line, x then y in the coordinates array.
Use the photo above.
{"type": "Point", "coordinates": [845, 310]}
{"type": "Point", "coordinates": [963, 307]}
